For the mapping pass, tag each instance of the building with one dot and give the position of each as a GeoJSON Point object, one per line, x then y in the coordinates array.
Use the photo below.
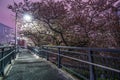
{"type": "Point", "coordinates": [6, 34]}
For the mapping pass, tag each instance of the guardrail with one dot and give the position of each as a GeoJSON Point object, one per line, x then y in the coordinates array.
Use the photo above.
{"type": "Point", "coordinates": [84, 63]}
{"type": "Point", "coordinates": [7, 53]}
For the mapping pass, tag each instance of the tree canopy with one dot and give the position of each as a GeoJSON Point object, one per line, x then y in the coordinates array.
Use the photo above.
{"type": "Point", "coordinates": [90, 23]}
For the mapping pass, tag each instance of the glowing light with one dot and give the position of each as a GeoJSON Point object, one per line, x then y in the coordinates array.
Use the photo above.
{"type": "Point", "coordinates": [85, 0]}
{"type": "Point", "coordinates": [27, 17]}
{"type": "Point", "coordinates": [37, 57]}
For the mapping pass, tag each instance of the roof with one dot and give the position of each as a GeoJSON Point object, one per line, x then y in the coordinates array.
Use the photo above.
{"type": "Point", "coordinates": [5, 26]}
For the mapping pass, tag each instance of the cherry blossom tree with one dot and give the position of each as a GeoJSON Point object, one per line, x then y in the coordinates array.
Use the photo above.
{"type": "Point", "coordinates": [92, 23]}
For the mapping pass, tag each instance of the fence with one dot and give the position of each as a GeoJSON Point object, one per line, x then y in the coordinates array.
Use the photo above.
{"type": "Point", "coordinates": [84, 63]}
{"type": "Point", "coordinates": [6, 56]}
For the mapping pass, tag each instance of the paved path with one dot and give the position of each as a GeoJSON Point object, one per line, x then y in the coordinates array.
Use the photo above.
{"type": "Point", "coordinates": [27, 67]}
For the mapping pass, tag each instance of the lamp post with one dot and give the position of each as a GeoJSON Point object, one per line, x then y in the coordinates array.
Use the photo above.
{"type": "Point", "coordinates": [16, 30]}
{"type": "Point", "coordinates": [16, 13]}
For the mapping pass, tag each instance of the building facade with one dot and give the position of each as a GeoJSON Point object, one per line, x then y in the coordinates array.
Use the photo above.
{"type": "Point", "coordinates": [6, 34]}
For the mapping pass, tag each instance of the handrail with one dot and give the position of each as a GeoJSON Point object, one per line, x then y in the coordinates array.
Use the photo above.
{"type": "Point", "coordinates": [6, 55]}
{"type": "Point", "coordinates": [61, 49]}
{"type": "Point", "coordinates": [6, 46]}
{"type": "Point", "coordinates": [92, 59]}
{"type": "Point", "coordinates": [105, 67]}
{"type": "Point", "coordinates": [86, 48]}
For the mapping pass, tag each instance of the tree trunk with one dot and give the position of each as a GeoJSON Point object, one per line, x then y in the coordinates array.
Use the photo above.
{"type": "Point", "coordinates": [61, 34]}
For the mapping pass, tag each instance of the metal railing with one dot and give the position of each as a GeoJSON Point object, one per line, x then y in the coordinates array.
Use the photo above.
{"type": "Point", "coordinates": [84, 63]}
{"type": "Point", "coordinates": [7, 53]}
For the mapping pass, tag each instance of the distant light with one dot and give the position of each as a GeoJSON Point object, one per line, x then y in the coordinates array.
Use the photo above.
{"type": "Point", "coordinates": [37, 57]}
{"type": "Point", "coordinates": [85, 0]}
{"type": "Point", "coordinates": [27, 17]}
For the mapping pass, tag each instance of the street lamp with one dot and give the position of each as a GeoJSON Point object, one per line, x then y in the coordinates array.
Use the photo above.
{"type": "Point", "coordinates": [27, 17]}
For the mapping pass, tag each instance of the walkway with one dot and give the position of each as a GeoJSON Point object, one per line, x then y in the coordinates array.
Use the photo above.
{"type": "Point", "coordinates": [28, 67]}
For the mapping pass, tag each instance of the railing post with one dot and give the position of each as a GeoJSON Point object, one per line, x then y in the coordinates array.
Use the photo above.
{"type": "Point", "coordinates": [11, 55]}
{"type": "Point", "coordinates": [2, 63]}
{"type": "Point", "coordinates": [14, 53]}
{"type": "Point", "coordinates": [118, 76]}
{"type": "Point", "coordinates": [41, 52]}
{"type": "Point", "coordinates": [59, 58]}
{"type": "Point", "coordinates": [91, 67]}
{"type": "Point", "coordinates": [47, 55]}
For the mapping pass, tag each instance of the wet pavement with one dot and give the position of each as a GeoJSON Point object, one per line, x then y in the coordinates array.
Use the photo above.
{"type": "Point", "coordinates": [28, 67]}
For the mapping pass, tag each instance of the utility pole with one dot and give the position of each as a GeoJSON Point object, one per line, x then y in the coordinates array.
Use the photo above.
{"type": "Point", "coordinates": [16, 13]}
